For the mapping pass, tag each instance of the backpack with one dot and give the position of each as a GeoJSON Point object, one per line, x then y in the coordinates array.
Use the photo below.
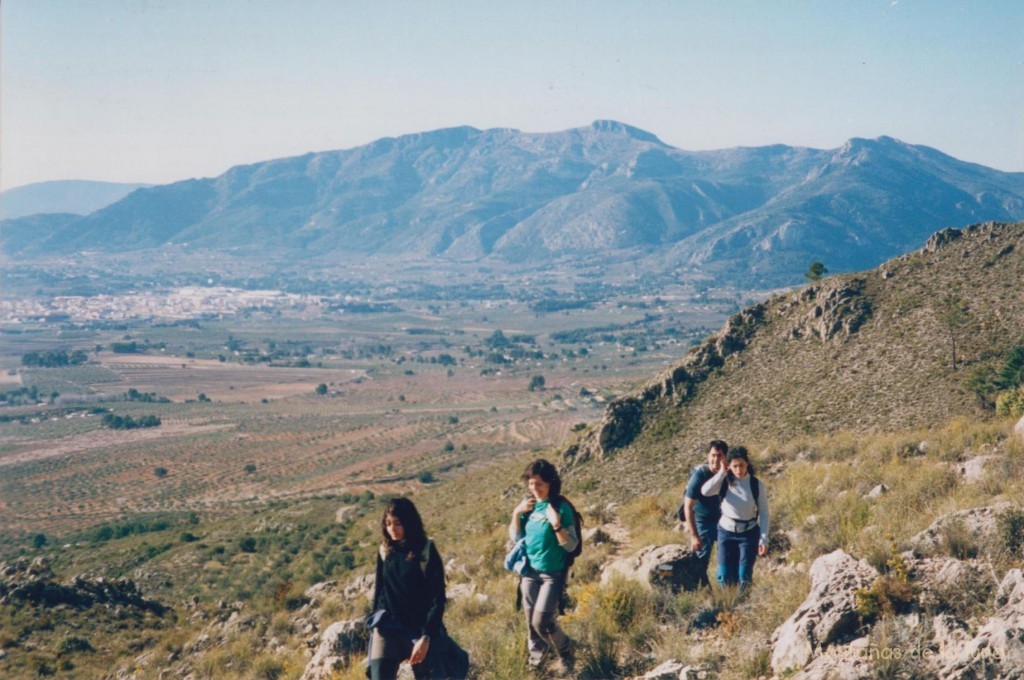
{"type": "Point", "coordinates": [577, 519]}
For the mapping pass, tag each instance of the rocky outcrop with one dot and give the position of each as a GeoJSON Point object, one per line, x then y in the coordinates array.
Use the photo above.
{"type": "Point", "coordinates": [838, 309]}
{"type": "Point", "coordinates": [623, 418]}
{"type": "Point", "coordinates": [337, 644]}
{"type": "Point", "coordinates": [24, 582]}
{"type": "Point", "coordinates": [669, 566]}
{"type": "Point", "coordinates": [997, 651]}
{"type": "Point", "coordinates": [980, 524]}
{"type": "Point", "coordinates": [827, 616]}
{"type": "Point", "coordinates": [1019, 428]}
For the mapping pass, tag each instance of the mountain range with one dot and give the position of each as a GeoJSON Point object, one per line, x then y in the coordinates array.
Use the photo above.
{"type": "Point", "coordinates": [605, 190]}
{"type": "Point", "coordinates": [76, 197]}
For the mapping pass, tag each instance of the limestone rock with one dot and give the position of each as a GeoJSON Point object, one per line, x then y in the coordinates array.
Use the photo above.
{"type": "Point", "coordinates": [973, 470]}
{"type": "Point", "coordinates": [848, 662]}
{"type": "Point", "coordinates": [673, 566]}
{"type": "Point", "coordinates": [997, 651]}
{"type": "Point", "coordinates": [980, 523]}
{"type": "Point", "coordinates": [337, 644]}
{"type": "Point", "coordinates": [947, 583]}
{"type": "Point", "coordinates": [670, 670]}
{"type": "Point", "coordinates": [826, 617]}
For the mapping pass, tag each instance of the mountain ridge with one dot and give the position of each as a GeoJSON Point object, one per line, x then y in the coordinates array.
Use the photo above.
{"type": "Point", "coordinates": [469, 194]}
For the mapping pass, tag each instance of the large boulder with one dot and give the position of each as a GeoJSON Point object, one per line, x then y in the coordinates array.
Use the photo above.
{"type": "Point", "coordinates": [337, 645]}
{"type": "Point", "coordinates": [978, 523]}
{"type": "Point", "coordinates": [951, 585]}
{"type": "Point", "coordinates": [997, 651]}
{"type": "Point", "coordinates": [827, 616]}
{"type": "Point", "coordinates": [673, 566]}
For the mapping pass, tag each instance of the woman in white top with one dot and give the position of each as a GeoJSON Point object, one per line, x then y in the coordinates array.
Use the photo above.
{"type": "Point", "coordinates": [743, 528]}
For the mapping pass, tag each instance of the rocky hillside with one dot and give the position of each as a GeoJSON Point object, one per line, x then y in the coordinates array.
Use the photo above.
{"type": "Point", "coordinates": [607, 189]}
{"type": "Point", "coordinates": [866, 352]}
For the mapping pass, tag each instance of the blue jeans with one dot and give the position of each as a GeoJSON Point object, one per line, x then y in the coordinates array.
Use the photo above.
{"type": "Point", "coordinates": [707, 531]}
{"type": "Point", "coordinates": [737, 553]}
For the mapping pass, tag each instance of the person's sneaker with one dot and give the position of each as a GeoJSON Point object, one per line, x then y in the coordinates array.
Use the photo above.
{"type": "Point", "coordinates": [536, 659]}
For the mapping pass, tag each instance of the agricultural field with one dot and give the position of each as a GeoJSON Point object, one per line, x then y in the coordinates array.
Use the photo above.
{"type": "Point", "coordinates": [393, 391]}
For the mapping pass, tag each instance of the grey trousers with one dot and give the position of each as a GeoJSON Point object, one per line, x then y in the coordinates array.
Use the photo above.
{"type": "Point", "coordinates": [541, 594]}
{"type": "Point", "coordinates": [387, 652]}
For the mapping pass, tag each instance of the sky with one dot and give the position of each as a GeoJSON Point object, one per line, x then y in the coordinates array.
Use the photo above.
{"type": "Point", "coordinates": [157, 91]}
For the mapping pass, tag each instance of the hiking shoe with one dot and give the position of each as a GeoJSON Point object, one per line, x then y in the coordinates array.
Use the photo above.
{"type": "Point", "coordinates": [568, 657]}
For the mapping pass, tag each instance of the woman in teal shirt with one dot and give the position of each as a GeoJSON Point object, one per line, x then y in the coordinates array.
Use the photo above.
{"type": "Point", "coordinates": [547, 522]}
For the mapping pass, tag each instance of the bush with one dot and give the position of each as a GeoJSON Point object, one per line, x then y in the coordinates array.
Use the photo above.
{"type": "Point", "coordinates": [247, 544]}
{"type": "Point", "coordinates": [1010, 525]}
{"type": "Point", "coordinates": [160, 472]}
{"type": "Point", "coordinates": [889, 595]}
{"type": "Point", "coordinates": [72, 644]}
{"type": "Point", "coordinates": [1011, 403]}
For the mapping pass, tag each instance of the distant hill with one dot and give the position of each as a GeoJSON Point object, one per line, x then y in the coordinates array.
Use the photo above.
{"type": "Point", "coordinates": [861, 353]}
{"type": "Point", "coordinates": [77, 197]}
{"type": "Point", "coordinates": [605, 189]}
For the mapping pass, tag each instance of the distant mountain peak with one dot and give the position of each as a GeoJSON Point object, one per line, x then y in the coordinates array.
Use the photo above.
{"type": "Point", "coordinates": [615, 127]}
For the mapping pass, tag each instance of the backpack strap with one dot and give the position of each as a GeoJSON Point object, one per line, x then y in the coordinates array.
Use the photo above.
{"type": "Point", "coordinates": [424, 555]}
{"type": "Point", "coordinates": [755, 488]}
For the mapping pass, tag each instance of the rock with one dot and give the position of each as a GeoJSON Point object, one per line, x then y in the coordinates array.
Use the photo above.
{"type": "Point", "coordinates": [677, 670]}
{"type": "Point", "coordinates": [457, 591]}
{"type": "Point", "coordinates": [670, 670]}
{"type": "Point", "coordinates": [673, 566]}
{"type": "Point", "coordinates": [337, 644]}
{"type": "Point", "coordinates": [877, 491]}
{"type": "Point", "coordinates": [318, 592]}
{"type": "Point", "coordinates": [973, 470]}
{"type": "Point", "coordinates": [997, 651]}
{"type": "Point", "coordinates": [1019, 428]}
{"type": "Point", "coordinates": [979, 523]}
{"type": "Point", "coordinates": [950, 584]}
{"type": "Point", "coordinates": [360, 586]}
{"type": "Point", "coordinates": [826, 617]}
{"type": "Point", "coordinates": [848, 662]}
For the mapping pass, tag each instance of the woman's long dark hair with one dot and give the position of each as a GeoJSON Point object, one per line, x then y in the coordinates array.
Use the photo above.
{"type": "Point", "coordinates": [549, 473]}
{"type": "Point", "coordinates": [405, 512]}
{"type": "Point", "coordinates": [738, 453]}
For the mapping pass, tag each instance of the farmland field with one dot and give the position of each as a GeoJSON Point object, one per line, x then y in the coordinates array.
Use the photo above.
{"type": "Point", "coordinates": [310, 398]}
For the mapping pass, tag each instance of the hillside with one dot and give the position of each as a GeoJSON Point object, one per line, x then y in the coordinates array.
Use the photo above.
{"type": "Point", "coordinates": [866, 353]}
{"type": "Point", "coordinates": [607, 189]}
{"type": "Point", "coordinates": [896, 518]}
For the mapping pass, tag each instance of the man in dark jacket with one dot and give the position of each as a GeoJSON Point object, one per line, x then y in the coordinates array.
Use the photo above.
{"type": "Point", "coordinates": [701, 513]}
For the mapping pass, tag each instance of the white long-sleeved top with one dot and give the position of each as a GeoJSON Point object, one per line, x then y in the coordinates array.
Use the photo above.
{"type": "Point", "coordinates": [738, 506]}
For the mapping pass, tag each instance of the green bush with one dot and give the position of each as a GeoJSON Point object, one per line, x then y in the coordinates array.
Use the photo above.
{"type": "Point", "coordinates": [1011, 403]}
{"type": "Point", "coordinates": [1011, 532]}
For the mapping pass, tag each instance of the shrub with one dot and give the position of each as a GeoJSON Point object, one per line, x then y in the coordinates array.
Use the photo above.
{"type": "Point", "coordinates": [1010, 526]}
{"type": "Point", "coordinates": [160, 472]}
{"type": "Point", "coordinates": [247, 544]}
{"type": "Point", "coordinates": [72, 644]}
{"type": "Point", "coordinates": [1011, 403]}
{"type": "Point", "coordinates": [889, 595]}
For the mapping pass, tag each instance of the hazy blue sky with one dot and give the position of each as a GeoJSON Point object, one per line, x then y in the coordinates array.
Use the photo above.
{"type": "Point", "coordinates": [162, 90]}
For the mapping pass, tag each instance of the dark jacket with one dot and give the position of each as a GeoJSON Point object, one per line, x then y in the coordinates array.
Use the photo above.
{"type": "Point", "coordinates": [411, 592]}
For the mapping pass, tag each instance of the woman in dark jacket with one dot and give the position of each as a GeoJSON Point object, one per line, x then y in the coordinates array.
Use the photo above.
{"type": "Point", "coordinates": [410, 589]}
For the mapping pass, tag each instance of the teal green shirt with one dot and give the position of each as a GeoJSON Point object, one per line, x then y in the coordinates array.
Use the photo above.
{"type": "Point", "coordinates": [541, 543]}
